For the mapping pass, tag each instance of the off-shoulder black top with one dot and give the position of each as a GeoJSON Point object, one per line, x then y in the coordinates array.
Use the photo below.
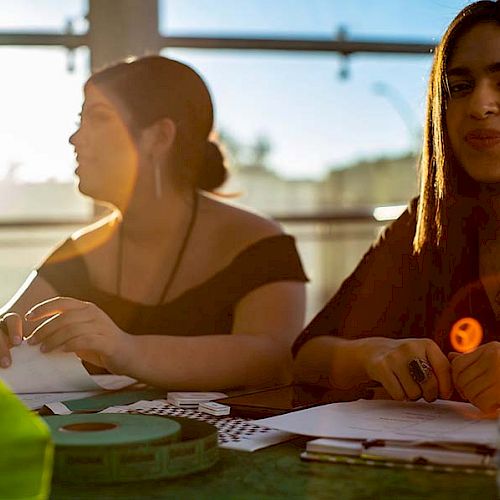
{"type": "Point", "coordinates": [206, 309]}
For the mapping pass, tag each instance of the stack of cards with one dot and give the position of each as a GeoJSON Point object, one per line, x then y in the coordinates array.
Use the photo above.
{"type": "Point", "coordinates": [191, 400]}
{"type": "Point", "coordinates": [214, 408]}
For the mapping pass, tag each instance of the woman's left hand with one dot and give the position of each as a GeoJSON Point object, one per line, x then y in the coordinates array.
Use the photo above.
{"type": "Point", "coordinates": [81, 327]}
{"type": "Point", "coordinates": [476, 376]}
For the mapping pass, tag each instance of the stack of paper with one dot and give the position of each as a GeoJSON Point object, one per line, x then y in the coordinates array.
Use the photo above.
{"type": "Point", "coordinates": [443, 433]}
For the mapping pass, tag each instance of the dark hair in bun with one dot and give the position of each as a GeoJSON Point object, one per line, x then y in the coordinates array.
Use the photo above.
{"type": "Point", "coordinates": [153, 87]}
{"type": "Point", "coordinates": [213, 172]}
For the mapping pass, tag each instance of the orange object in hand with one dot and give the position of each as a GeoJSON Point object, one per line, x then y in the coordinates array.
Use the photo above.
{"type": "Point", "coordinates": [466, 335]}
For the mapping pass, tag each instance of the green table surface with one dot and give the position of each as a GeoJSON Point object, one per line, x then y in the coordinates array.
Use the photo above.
{"type": "Point", "coordinates": [278, 472]}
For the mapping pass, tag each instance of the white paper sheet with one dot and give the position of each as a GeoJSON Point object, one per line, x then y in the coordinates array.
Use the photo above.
{"type": "Point", "coordinates": [34, 372]}
{"type": "Point", "coordinates": [53, 401]}
{"type": "Point", "coordinates": [37, 400]}
{"type": "Point", "coordinates": [441, 421]}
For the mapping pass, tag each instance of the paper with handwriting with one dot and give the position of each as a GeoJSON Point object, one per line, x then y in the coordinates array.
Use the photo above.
{"type": "Point", "coordinates": [438, 422]}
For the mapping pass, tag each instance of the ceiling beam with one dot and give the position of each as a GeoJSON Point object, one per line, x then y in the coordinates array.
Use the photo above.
{"type": "Point", "coordinates": [345, 47]}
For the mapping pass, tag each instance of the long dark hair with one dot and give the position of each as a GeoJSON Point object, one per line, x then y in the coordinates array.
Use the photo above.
{"type": "Point", "coordinates": [444, 184]}
{"type": "Point", "coordinates": [155, 87]}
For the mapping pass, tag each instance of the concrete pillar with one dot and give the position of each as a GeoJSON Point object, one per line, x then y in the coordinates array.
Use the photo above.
{"type": "Point", "coordinates": [122, 28]}
{"type": "Point", "coordinates": [119, 29]}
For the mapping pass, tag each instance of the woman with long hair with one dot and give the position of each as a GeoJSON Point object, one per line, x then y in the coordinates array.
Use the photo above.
{"type": "Point", "coordinates": [440, 261]}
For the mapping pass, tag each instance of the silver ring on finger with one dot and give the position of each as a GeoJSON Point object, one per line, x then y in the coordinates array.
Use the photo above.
{"type": "Point", "coordinates": [420, 370]}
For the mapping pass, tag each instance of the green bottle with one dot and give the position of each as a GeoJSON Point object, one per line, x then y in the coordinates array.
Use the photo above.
{"type": "Point", "coordinates": [26, 451]}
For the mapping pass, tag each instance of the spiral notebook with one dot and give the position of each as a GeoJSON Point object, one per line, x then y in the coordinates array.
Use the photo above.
{"type": "Point", "coordinates": [473, 458]}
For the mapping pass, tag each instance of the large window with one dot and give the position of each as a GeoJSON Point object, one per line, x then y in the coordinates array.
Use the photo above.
{"type": "Point", "coordinates": [40, 97]}
{"type": "Point", "coordinates": [314, 112]}
{"type": "Point", "coordinates": [306, 133]}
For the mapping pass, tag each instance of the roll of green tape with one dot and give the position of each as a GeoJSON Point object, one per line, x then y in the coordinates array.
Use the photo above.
{"type": "Point", "coordinates": [113, 448]}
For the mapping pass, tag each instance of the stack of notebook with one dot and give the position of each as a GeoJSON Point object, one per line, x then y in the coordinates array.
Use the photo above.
{"type": "Point", "coordinates": [391, 453]}
{"type": "Point", "coordinates": [439, 435]}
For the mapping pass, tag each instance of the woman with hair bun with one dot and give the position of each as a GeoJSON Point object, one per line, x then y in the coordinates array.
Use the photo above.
{"type": "Point", "coordinates": [176, 288]}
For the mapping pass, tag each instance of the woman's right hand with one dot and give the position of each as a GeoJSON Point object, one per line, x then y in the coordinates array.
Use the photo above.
{"type": "Point", "coordinates": [11, 326]}
{"type": "Point", "coordinates": [387, 361]}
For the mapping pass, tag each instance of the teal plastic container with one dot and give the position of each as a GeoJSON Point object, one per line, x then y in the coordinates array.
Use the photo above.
{"type": "Point", "coordinates": [26, 451]}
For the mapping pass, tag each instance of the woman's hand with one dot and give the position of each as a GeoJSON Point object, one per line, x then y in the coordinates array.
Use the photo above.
{"type": "Point", "coordinates": [11, 334]}
{"type": "Point", "coordinates": [476, 376]}
{"type": "Point", "coordinates": [81, 327]}
{"type": "Point", "coordinates": [387, 360]}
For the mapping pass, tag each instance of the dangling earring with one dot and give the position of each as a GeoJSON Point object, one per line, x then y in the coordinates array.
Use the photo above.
{"type": "Point", "coordinates": [158, 180]}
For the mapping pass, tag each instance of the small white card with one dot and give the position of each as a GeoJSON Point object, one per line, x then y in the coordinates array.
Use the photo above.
{"type": "Point", "coordinates": [214, 408]}
{"type": "Point", "coordinates": [193, 398]}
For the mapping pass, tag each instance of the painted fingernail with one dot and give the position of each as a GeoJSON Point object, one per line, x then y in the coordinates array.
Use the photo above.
{"type": "Point", "coordinates": [17, 340]}
{"type": "Point", "coordinates": [5, 362]}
